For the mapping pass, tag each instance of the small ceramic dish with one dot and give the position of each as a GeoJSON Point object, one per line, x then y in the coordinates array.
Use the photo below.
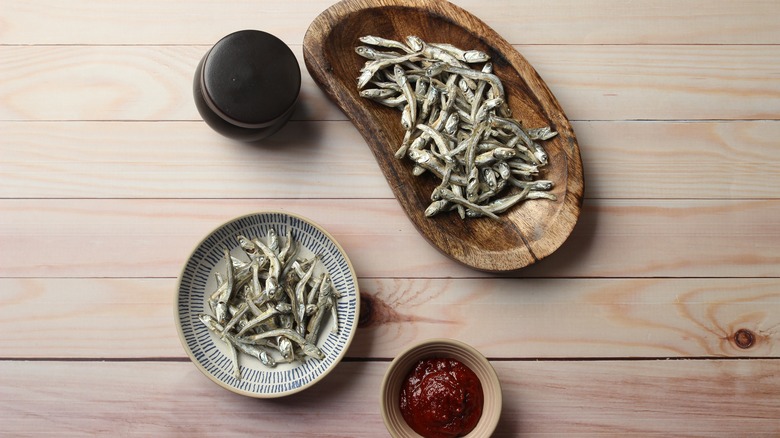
{"type": "Point", "coordinates": [405, 362]}
{"type": "Point", "coordinates": [197, 281]}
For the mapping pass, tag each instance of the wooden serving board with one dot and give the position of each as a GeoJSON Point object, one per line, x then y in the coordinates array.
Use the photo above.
{"type": "Point", "coordinates": [523, 235]}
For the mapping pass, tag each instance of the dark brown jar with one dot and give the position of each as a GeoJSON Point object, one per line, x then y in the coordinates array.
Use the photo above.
{"type": "Point", "coordinates": [246, 86]}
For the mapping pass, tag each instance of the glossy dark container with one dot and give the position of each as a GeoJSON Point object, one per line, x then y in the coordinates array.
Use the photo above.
{"type": "Point", "coordinates": [246, 86]}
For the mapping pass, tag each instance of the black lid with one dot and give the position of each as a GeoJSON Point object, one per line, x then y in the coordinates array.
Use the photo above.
{"type": "Point", "coordinates": [251, 78]}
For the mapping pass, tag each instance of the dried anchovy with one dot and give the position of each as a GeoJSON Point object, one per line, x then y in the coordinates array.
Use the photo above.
{"type": "Point", "coordinates": [457, 125]}
{"type": "Point", "coordinates": [271, 304]}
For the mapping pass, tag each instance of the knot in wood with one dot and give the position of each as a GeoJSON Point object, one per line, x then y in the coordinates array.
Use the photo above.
{"type": "Point", "coordinates": [744, 338]}
{"type": "Point", "coordinates": [366, 311]}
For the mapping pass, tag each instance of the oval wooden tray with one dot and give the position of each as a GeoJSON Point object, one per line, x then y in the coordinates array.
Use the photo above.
{"type": "Point", "coordinates": [524, 234]}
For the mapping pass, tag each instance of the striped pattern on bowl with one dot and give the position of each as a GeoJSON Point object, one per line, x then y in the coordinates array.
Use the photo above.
{"type": "Point", "coordinates": [211, 355]}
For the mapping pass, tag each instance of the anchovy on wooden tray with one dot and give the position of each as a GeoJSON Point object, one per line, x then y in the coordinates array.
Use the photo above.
{"type": "Point", "coordinates": [475, 147]}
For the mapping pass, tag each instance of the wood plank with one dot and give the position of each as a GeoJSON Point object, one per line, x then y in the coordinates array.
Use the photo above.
{"type": "Point", "coordinates": [614, 238]}
{"type": "Point", "coordinates": [117, 83]}
{"type": "Point", "coordinates": [89, 318]}
{"type": "Point", "coordinates": [570, 398]}
{"type": "Point", "coordinates": [727, 160]}
{"type": "Point", "coordinates": [98, 82]}
{"type": "Point", "coordinates": [532, 22]}
{"type": "Point", "coordinates": [661, 82]}
{"type": "Point", "coordinates": [184, 160]}
{"type": "Point", "coordinates": [574, 318]}
{"type": "Point", "coordinates": [613, 82]}
{"type": "Point", "coordinates": [673, 160]}
{"type": "Point", "coordinates": [120, 318]}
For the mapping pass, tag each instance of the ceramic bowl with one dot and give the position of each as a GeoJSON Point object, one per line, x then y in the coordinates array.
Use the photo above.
{"type": "Point", "coordinates": [197, 281]}
{"type": "Point", "coordinates": [439, 348]}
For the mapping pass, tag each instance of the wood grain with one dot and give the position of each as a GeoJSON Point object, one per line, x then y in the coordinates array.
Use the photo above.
{"type": "Point", "coordinates": [184, 160]}
{"type": "Point", "coordinates": [126, 318]}
{"type": "Point", "coordinates": [541, 398]}
{"type": "Point", "coordinates": [632, 328]}
{"type": "Point", "coordinates": [614, 238]}
{"type": "Point", "coordinates": [716, 160]}
{"type": "Point", "coordinates": [661, 82]}
{"type": "Point", "coordinates": [98, 82]}
{"type": "Point", "coordinates": [592, 82]}
{"type": "Point", "coordinates": [531, 22]}
{"type": "Point", "coordinates": [640, 160]}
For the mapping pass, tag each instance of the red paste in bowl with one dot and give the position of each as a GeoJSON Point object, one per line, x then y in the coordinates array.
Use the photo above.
{"type": "Point", "coordinates": [441, 398]}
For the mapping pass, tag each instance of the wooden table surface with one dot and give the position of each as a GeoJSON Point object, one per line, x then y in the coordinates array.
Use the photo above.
{"type": "Point", "coordinates": [659, 316]}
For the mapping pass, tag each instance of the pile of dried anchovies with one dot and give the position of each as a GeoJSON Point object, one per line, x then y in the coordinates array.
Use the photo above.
{"type": "Point", "coordinates": [272, 305]}
{"type": "Point", "coordinates": [458, 125]}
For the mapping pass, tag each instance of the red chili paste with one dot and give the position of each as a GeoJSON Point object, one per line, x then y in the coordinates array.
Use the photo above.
{"type": "Point", "coordinates": [441, 398]}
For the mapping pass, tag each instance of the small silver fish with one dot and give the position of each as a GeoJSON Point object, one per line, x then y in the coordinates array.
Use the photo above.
{"type": "Point", "coordinates": [383, 42]}
{"type": "Point", "coordinates": [265, 311]}
{"type": "Point", "coordinates": [457, 126]}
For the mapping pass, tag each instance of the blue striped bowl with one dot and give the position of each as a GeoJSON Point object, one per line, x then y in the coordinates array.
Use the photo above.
{"type": "Point", "coordinates": [210, 354]}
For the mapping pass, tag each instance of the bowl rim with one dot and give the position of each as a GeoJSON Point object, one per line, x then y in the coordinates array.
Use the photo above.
{"type": "Point", "coordinates": [490, 380]}
{"type": "Point", "coordinates": [191, 354]}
